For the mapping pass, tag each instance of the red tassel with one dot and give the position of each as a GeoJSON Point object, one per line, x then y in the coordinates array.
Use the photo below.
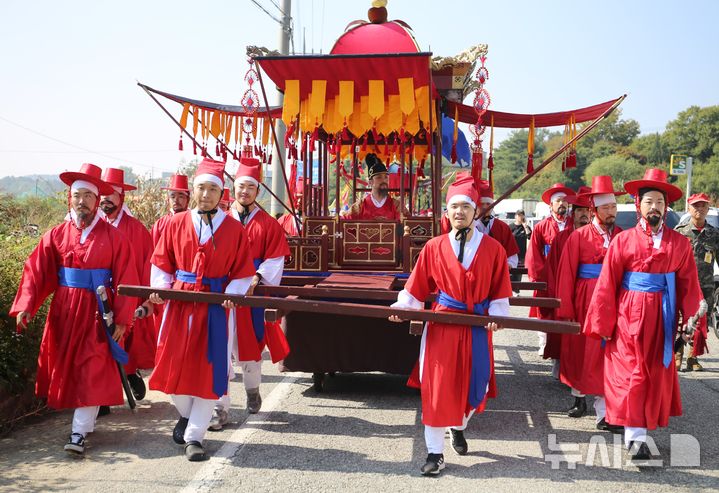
{"type": "Point", "coordinates": [204, 150]}
{"type": "Point", "coordinates": [194, 148]}
{"type": "Point", "coordinates": [180, 146]}
{"type": "Point", "coordinates": [530, 163]}
{"type": "Point", "coordinates": [564, 163]}
{"type": "Point", "coordinates": [364, 142]}
{"type": "Point", "coordinates": [572, 159]}
{"type": "Point", "coordinates": [453, 154]}
{"type": "Point", "coordinates": [490, 164]}
{"type": "Point", "coordinates": [304, 145]}
{"type": "Point", "coordinates": [477, 167]}
{"type": "Point", "coordinates": [386, 148]}
{"type": "Point", "coordinates": [217, 148]}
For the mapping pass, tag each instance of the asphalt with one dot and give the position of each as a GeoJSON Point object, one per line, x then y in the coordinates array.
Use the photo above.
{"type": "Point", "coordinates": [364, 433]}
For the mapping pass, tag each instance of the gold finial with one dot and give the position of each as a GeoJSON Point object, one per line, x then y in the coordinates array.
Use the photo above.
{"type": "Point", "coordinates": [406, 230]}
{"type": "Point", "coordinates": [325, 230]}
{"type": "Point", "coordinates": [377, 14]}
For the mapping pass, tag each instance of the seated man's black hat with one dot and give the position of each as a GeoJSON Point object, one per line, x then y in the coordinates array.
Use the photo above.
{"type": "Point", "coordinates": [374, 165]}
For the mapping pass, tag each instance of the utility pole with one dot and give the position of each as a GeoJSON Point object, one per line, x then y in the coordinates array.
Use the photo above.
{"type": "Point", "coordinates": [278, 187]}
{"type": "Point", "coordinates": [690, 161]}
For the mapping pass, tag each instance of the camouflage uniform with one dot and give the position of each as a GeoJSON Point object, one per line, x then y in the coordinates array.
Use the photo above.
{"type": "Point", "coordinates": [705, 244]}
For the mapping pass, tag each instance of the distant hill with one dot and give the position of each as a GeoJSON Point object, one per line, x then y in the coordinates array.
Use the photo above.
{"type": "Point", "coordinates": [23, 186]}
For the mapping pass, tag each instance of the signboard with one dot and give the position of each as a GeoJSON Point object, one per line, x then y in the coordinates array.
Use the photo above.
{"type": "Point", "coordinates": [678, 165]}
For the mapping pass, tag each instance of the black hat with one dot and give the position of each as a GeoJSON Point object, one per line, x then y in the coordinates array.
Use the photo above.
{"type": "Point", "coordinates": [374, 165]}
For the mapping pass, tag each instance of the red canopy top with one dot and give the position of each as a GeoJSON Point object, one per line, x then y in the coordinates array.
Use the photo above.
{"type": "Point", "coordinates": [466, 114]}
{"type": "Point", "coordinates": [387, 37]}
{"type": "Point", "coordinates": [388, 67]}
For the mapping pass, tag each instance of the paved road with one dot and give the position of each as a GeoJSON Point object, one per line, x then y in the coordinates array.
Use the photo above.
{"type": "Point", "coordinates": [364, 434]}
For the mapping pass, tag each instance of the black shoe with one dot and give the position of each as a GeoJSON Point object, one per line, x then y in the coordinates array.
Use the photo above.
{"type": "Point", "coordinates": [76, 444]}
{"type": "Point", "coordinates": [640, 453]}
{"type": "Point", "coordinates": [604, 426]}
{"type": "Point", "coordinates": [433, 466]}
{"type": "Point", "coordinates": [104, 411]}
{"type": "Point", "coordinates": [137, 384]}
{"type": "Point", "coordinates": [579, 409]}
{"type": "Point", "coordinates": [194, 451]}
{"type": "Point", "coordinates": [459, 443]}
{"type": "Point", "coordinates": [178, 434]}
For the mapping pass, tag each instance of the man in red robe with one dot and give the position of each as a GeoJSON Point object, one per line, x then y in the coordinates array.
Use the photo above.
{"type": "Point", "coordinates": [540, 245]}
{"type": "Point", "coordinates": [141, 340]}
{"type": "Point", "coordinates": [178, 199]}
{"type": "Point", "coordinates": [581, 216]}
{"type": "Point", "coordinates": [468, 270]}
{"type": "Point", "coordinates": [634, 309]}
{"type": "Point", "coordinates": [77, 365]}
{"type": "Point", "coordinates": [200, 250]}
{"type": "Point", "coordinates": [582, 357]}
{"type": "Point", "coordinates": [269, 249]}
{"type": "Point", "coordinates": [378, 204]}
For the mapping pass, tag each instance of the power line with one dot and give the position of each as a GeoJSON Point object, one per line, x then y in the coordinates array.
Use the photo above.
{"type": "Point", "coordinates": [108, 156]}
{"type": "Point", "coordinates": [266, 11]}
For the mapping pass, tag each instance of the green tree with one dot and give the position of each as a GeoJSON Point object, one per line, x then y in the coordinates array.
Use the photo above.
{"type": "Point", "coordinates": [694, 132]}
{"type": "Point", "coordinates": [620, 168]}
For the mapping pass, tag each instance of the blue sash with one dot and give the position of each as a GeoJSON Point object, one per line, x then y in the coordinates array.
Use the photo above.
{"type": "Point", "coordinates": [653, 283]}
{"type": "Point", "coordinates": [91, 279]}
{"type": "Point", "coordinates": [216, 330]}
{"type": "Point", "coordinates": [546, 250]}
{"type": "Point", "coordinates": [589, 271]}
{"type": "Point", "coordinates": [480, 349]}
{"type": "Point", "coordinates": [258, 313]}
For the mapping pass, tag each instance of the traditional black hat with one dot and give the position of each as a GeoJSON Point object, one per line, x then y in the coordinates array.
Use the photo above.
{"type": "Point", "coordinates": [374, 165]}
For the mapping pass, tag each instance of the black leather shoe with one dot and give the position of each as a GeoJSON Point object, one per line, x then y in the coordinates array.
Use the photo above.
{"type": "Point", "coordinates": [640, 453]}
{"type": "Point", "coordinates": [434, 465]}
{"type": "Point", "coordinates": [194, 451]}
{"type": "Point", "coordinates": [178, 434]}
{"type": "Point", "coordinates": [459, 443]}
{"type": "Point", "coordinates": [579, 408]}
{"type": "Point", "coordinates": [104, 411]}
{"type": "Point", "coordinates": [604, 426]}
{"type": "Point", "coordinates": [137, 384]}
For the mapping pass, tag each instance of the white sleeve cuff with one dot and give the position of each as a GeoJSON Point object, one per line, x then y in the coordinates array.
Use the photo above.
{"type": "Point", "coordinates": [407, 301]}
{"type": "Point", "coordinates": [271, 270]}
{"type": "Point", "coordinates": [238, 286]}
{"type": "Point", "coordinates": [499, 308]}
{"type": "Point", "coordinates": [159, 278]}
{"type": "Point", "coordinates": [513, 261]}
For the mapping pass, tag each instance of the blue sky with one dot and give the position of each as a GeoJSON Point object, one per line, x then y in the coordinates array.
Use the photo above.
{"type": "Point", "coordinates": [69, 68]}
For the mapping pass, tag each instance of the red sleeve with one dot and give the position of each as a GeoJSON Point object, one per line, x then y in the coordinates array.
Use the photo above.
{"type": "Point", "coordinates": [39, 277]}
{"type": "Point", "coordinates": [444, 226]}
{"type": "Point", "coordinates": [566, 278]}
{"type": "Point", "coordinates": [601, 317]}
{"type": "Point", "coordinates": [123, 260]}
{"type": "Point", "coordinates": [552, 263]}
{"type": "Point", "coordinates": [534, 260]}
{"type": "Point", "coordinates": [501, 284]}
{"type": "Point", "coordinates": [242, 265]}
{"type": "Point", "coordinates": [163, 257]}
{"type": "Point", "coordinates": [275, 239]}
{"type": "Point", "coordinates": [420, 283]}
{"type": "Point", "coordinates": [505, 237]}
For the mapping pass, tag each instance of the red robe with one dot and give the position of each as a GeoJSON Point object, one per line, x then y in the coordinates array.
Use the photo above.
{"type": "Point", "coordinates": [181, 364]}
{"type": "Point", "coordinates": [639, 390]}
{"type": "Point", "coordinates": [553, 346]}
{"type": "Point", "coordinates": [160, 226]}
{"type": "Point", "coordinates": [267, 240]}
{"type": "Point", "coordinates": [582, 357]}
{"type": "Point", "coordinates": [365, 209]}
{"type": "Point", "coordinates": [75, 368]}
{"type": "Point", "coordinates": [142, 338]}
{"type": "Point", "coordinates": [289, 225]}
{"type": "Point", "coordinates": [448, 348]}
{"type": "Point", "coordinates": [542, 237]}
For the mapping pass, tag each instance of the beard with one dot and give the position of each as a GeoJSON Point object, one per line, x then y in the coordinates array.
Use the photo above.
{"type": "Point", "coordinates": [584, 220]}
{"type": "Point", "coordinates": [383, 190]}
{"type": "Point", "coordinates": [654, 219]}
{"type": "Point", "coordinates": [609, 221]}
{"type": "Point", "coordinates": [561, 211]}
{"type": "Point", "coordinates": [108, 207]}
{"type": "Point", "coordinates": [178, 208]}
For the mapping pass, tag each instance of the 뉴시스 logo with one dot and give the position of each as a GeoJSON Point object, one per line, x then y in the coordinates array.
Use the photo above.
{"type": "Point", "coordinates": [684, 451]}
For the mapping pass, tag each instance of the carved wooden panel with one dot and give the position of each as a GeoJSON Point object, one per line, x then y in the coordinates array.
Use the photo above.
{"type": "Point", "coordinates": [370, 243]}
{"type": "Point", "coordinates": [313, 229]}
{"type": "Point", "coordinates": [307, 254]}
{"type": "Point", "coordinates": [420, 227]}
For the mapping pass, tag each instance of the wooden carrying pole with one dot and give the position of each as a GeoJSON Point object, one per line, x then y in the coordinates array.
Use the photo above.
{"type": "Point", "coordinates": [352, 309]}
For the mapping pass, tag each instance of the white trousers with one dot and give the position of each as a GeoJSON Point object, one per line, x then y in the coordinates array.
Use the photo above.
{"type": "Point", "coordinates": [634, 434]}
{"type": "Point", "coordinates": [83, 420]}
{"type": "Point", "coordinates": [434, 435]}
{"type": "Point", "coordinates": [251, 377]}
{"type": "Point", "coordinates": [198, 412]}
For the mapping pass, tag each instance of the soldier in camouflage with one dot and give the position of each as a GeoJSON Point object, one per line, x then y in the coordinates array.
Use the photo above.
{"type": "Point", "coordinates": [705, 242]}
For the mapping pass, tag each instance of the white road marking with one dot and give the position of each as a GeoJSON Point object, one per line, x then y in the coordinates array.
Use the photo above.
{"type": "Point", "coordinates": [215, 467]}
